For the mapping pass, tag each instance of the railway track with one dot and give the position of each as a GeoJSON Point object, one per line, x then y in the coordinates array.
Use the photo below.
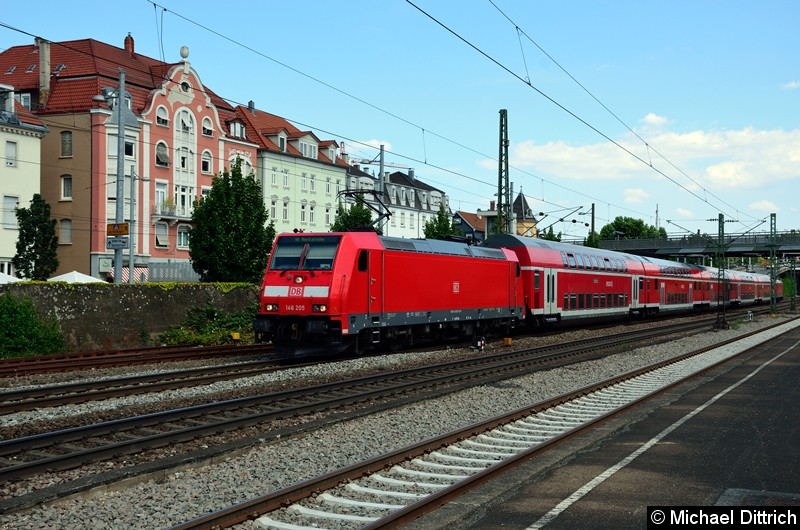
{"type": "Point", "coordinates": [19, 366]}
{"type": "Point", "coordinates": [396, 488]}
{"type": "Point", "coordinates": [69, 448]}
{"type": "Point", "coordinates": [82, 392]}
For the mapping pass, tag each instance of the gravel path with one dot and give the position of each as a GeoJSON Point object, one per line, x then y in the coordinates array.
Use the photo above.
{"type": "Point", "coordinates": [183, 494]}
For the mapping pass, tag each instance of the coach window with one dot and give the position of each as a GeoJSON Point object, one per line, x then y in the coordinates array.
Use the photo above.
{"type": "Point", "coordinates": [580, 300]}
{"type": "Point", "coordinates": [579, 259]}
{"type": "Point", "coordinates": [655, 284]}
{"type": "Point", "coordinates": [565, 304]}
{"type": "Point", "coordinates": [564, 259]}
{"type": "Point", "coordinates": [571, 261]}
{"type": "Point", "coordinates": [536, 280]}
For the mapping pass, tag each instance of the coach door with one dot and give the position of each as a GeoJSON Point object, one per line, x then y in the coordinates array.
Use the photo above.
{"type": "Point", "coordinates": [550, 288]}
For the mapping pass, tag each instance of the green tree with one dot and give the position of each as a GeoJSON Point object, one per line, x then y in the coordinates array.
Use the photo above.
{"type": "Point", "coordinates": [593, 240]}
{"type": "Point", "coordinates": [630, 228]}
{"type": "Point", "coordinates": [37, 244]}
{"type": "Point", "coordinates": [549, 235]}
{"type": "Point", "coordinates": [231, 238]}
{"type": "Point", "coordinates": [440, 226]}
{"type": "Point", "coordinates": [358, 217]}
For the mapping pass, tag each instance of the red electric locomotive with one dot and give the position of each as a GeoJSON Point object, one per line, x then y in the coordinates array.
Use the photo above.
{"type": "Point", "coordinates": [356, 291]}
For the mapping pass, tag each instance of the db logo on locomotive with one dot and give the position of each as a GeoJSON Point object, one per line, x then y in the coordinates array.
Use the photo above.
{"type": "Point", "coordinates": [295, 291]}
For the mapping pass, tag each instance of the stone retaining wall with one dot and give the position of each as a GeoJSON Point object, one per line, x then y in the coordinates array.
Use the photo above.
{"type": "Point", "coordinates": [96, 316]}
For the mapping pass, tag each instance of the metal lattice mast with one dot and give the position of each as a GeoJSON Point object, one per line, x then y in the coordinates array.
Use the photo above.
{"type": "Point", "coordinates": [773, 263]}
{"type": "Point", "coordinates": [503, 193]}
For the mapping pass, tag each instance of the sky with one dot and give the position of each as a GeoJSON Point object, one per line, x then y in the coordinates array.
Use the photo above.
{"type": "Point", "coordinates": [671, 112]}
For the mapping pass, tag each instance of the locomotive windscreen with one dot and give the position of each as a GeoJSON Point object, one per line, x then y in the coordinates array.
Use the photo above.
{"type": "Point", "coordinates": [304, 253]}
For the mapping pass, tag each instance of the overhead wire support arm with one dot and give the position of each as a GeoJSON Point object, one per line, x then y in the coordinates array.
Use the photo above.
{"type": "Point", "coordinates": [382, 210]}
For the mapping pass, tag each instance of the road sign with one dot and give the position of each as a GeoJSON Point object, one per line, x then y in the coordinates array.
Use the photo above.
{"type": "Point", "coordinates": [117, 229]}
{"type": "Point", "coordinates": [117, 242]}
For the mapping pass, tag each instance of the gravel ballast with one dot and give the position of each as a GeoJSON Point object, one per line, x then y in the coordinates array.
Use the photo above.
{"type": "Point", "coordinates": [173, 497]}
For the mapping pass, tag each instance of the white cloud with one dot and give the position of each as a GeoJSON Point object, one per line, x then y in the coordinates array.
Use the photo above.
{"type": "Point", "coordinates": [791, 85]}
{"type": "Point", "coordinates": [634, 195]}
{"type": "Point", "coordinates": [764, 206]}
{"type": "Point", "coordinates": [654, 120]}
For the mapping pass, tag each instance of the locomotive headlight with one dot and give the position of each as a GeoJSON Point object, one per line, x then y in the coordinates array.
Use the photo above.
{"type": "Point", "coordinates": [298, 279]}
{"type": "Point", "coordinates": [319, 308]}
{"type": "Point", "coordinates": [270, 307]}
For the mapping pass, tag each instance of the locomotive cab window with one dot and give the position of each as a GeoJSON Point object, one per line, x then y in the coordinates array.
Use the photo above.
{"type": "Point", "coordinates": [304, 253]}
{"type": "Point", "coordinates": [363, 260]}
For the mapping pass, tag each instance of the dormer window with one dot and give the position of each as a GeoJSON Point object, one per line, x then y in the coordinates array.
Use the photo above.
{"type": "Point", "coordinates": [237, 129]}
{"type": "Point", "coordinates": [308, 150]}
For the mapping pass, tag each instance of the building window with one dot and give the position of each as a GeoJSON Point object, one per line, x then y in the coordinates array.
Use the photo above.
{"type": "Point", "coordinates": [129, 148]}
{"type": "Point", "coordinates": [313, 187]}
{"type": "Point", "coordinates": [66, 187]}
{"type": "Point", "coordinates": [65, 234]}
{"type": "Point", "coordinates": [274, 176]}
{"type": "Point", "coordinates": [303, 213]}
{"type": "Point", "coordinates": [273, 209]}
{"type": "Point", "coordinates": [66, 144]}
{"type": "Point", "coordinates": [308, 150]}
{"type": "Point", "coordinates": [162, 235]}
{"type": "Point", "coordinates": [207, 130]}
{"type": "Point", "coordinates": [328, 186]}
{"type": "Point", "coordinates": [183, 236]}
{"type": "Point", "coordinates": [11, 154]}
{"type": "Point", "coordinates": [286, 178]}
{"type": "Point", "coordinates": [282, 143]}
{"type": "Point", "coordinates": [303, 180]}
{"type": "Point", "coordinates": [311, 218]}
{"type": "Point", "coordinates": [161, 198]}
{"type": "Point", "coordinates": [328, 215]}
{"type": "Point", "coordinates": [162, 154]}
{"type": "Point", "coordinates": [237, 129]}
{"type": "Point", "coordinates": [10, 203]}
{"type": "Point", "coordinates": [184, 200]}
{"type": "Point", "coordinates": [205, 162]}
{"type": "Point", "coordinates": [285, 210]}
{"type": "Point", "coordinates": [162, 118]}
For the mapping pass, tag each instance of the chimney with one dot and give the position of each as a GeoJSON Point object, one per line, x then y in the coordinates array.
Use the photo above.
{"type": "Point", "coordinates": [44, 71]}
{"type": "Point", "coordinates": [491, 206]}
{"type": "Point", "coordinates": [411, 174]}
{"type": "Point", "coordinates": [251, 106]}
{"type": "Point", "coordinates": [129, 45]}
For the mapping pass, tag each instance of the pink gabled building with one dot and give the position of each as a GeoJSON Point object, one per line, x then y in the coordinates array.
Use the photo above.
{"type": "Point", "coordinates": [178, 135]}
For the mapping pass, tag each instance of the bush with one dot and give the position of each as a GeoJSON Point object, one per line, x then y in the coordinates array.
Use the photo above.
{"type": "Point", "coordinates": [23, 332]}
{"type": "Point", "coordinates": [209, 326]}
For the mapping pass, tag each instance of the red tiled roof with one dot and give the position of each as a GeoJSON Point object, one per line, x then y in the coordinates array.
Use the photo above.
{"type": "Point", "coordinates": [474, 220]}
{"type": "Point", "coordinates": [260, 126]}
{"type": "Point", "coordinates": [26, 116]}
{"type": "Point", "coordinates": [80, 69]}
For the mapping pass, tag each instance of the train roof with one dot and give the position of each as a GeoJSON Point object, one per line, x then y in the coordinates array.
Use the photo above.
{"type": "Point", "coordinates": [438, 246]}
